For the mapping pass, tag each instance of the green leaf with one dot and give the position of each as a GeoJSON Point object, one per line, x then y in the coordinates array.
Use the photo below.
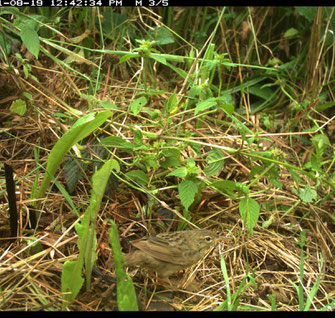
{"type": "Point", "coordinates": [35, 246]}
{"type": "Point", "coordinates": [153, 114]}
{"type": "Point", "coordinates": [215, 160]}
{"type": "Point", "coordinates": [228, 108]}
{"type": "Point", "coordinates": [107, 104]}
{"type": "Point", "coordinates": [19, 107]}
{"type": "Point", "coordinates": [31, 40]}
{"type": "Point", "coordinates": [86, 229]}
{"type": "Point", "coordinates": [226, 280]}
{"type": "Point", "coordinates": [208, 103]}
{"type": "Point", "coordinates": [99, 182]}
{"type": "Point", "coordinates": [161, 35]}
{"type": "Point", "coordinates": [125, 291]}
{"type": "Point", "coordinates": [323, 107]}
{"type": "Point", "coordinates": [171, 156]}
{"type": "Point", "coordinates": [159, 58]}
{"type": "Point", "coordinates": [171, 106]}
{"type": "Point", "coordinates": [127, 57]}
{"type": "Point", "coordinates": [81, 129]}
{"type": "Point", "coordinates": [73, 171]}
{"type": "Point", "coordinates": [138, 176]}
{"type": "Point", "coordinates": [249, 211]}
{"type": "Point", "coordinates": [115, 166]}
{"type": "Point", "coordinates": [118, 142]}
{"type": "Point", "coordinates": [320, 142]}
{"type": "Point", "coordinates": [71, 281]}
{"type": "Point", "coordinates": [262, 92]}
{"type": "Point", "coordinates": [180, 172]}
{"type": "Point", "coordinates": [307, 12]}
{"type": "Point", "coordinates": [226, 186]}
{"type": "Point", "coordinates": [187, 190]}
{"type": "Point", "coordinates": [194, 91]}
{"type": "Point", "coordinates": [190, 162]}
{"type": "Point", "coordinates": [136, 105]}
{"type": "Point", "coordinates": [291, 33]}
{"type": "Point", "coordinates": [307, 194]}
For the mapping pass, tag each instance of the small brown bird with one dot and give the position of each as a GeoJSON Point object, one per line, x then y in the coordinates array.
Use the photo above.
{"type": "Point", "coordinates": [167, 253]}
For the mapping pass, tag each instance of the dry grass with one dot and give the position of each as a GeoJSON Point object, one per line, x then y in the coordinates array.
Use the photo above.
{"type": "Point", "coordinates": [271, 256]}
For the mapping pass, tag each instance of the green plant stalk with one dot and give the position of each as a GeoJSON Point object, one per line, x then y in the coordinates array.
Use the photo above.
{"type": "Point", "coordinates": [272, 299]}
{"type": "Point", "coordinates": [300, 288]}
{"type": "Point", "coordinates": [285, 164]}
{"type": "Point", "coordinates": [126, 295]}
{"type": "Point", "coordinates": [182, 122]}
{"type": "Point", "coordinates": [228, 149]}
{"type": "Point", "coordinates": [71, 272]}
{"type": "Point", "coordinates": [99, 182]}
{"type": "Point", "coordinates": [226, 279]}
{"type": "Point", "coordinates": [145, 71]}
{"type": "Point", "coordinates": [210, 47]}
{"type": "Point", "coordinates": [36, 157]}
{"type": "Point", "coordinates": [102, 43]}
{"type": "Point", "coordinates": [315, 287]}
{"type": "Point", "coordinates": [301, 277]}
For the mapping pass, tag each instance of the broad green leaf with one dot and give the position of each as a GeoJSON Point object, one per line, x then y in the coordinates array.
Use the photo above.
{"type": "Point", "coordinates": [71, 281]}
{"type": "Point", "coordinates": [249, 211]}
{"type": "Point", "coordinates": [118, 142]}
{"type": "Point", "coordinates": [171, 156]}
{"type": "Point", "coordinates": [214, 160]}
{"type": "Point", "coordinates": [125, 293]}
{"type": "Point", "coordinates": [187, 190]}
{"type": "Point", "coordinates": [19, 107]}
{"type": "Point", "coordinates": [138, 176]}
{"type": "Point", "coordinates": [159, 58]}
{"type": "Point", "coordinates": [161, 35]}
{"type": "Point", "coordinates": [86, 229]}
{"type": "Point", "coordinates": [307, 12]}
{"type": "Point", "coordinates": [228, 108]}
{"type": "Point", "coordinates": [153, 114]}
{"type": "Point", "coordinates": [323, 107]}
{"type": "Point", "coordinates": [35, 246]}
{"type": "Point", "coordinates": [307, 194]}
{"type": "Point", "coordinates": [31, 40]}
{"type": "Point", "coordinates": [190, 162]}
{"type": "Point", "coordinates": [208, 103]}
{"type": "Point", "coordinates": [73, 171]}
{"type": "Point", "coordinates": [77, 56]}
{"type": "Point", "coordinates": [107, 104]}
{"type": "Point", "coordinates": [81, 129]}
{"type": "Point", "coordinates": [115, 166]}
{"type": "Point", "coordinates": [136, 105]}
{"type": "Point", "coordinates": [180, 172]}
{"type": "Point", "coordinates": [99, 182]}
{"type": "Point", "coordinates": [226, 186]}
{"type": "Point", "coordinates": [171, 106]}
{"type": "Point", "coordinates": [291, 33]}
{"type": "Point", "coordinates": [320, 142]}
{"type": "Point", "coordinates": [260, 91]}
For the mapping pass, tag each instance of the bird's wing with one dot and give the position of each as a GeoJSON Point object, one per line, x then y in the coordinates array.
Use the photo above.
{"type": "Point", "coordinates": [164, 250]}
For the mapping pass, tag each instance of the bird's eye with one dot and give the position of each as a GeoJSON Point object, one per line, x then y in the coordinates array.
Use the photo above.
{"type": "Point", "coordinates": [208, 238]}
